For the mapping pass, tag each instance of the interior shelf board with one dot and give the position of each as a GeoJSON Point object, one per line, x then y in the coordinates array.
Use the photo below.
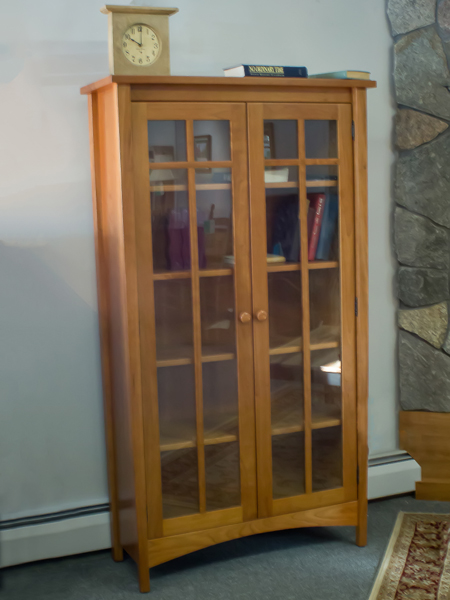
{"type": "Point", "coordinates": [213, 354]}
{"type": "Point", "coordinates": [324, 345]}
{"type": "Point", "coordinates": [281, 184]}
{"type": "Point", "coordinates": [167, 275]}
{"type": "Point", "coordinates": [323, 264]}
{"type": "Point", "coordinates": [321, 183]}
{"type": "Point", "coordinates": [181, 187]}
{"type": "Point", "coordinates": [280, 267]}
{"type": "Point", "coordinates": [285, 350]}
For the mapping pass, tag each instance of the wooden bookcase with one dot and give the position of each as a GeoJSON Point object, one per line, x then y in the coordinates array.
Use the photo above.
{"type": "Point", "coordinates": [235, 388]}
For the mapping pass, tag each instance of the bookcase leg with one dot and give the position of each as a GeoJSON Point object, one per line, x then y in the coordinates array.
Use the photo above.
{"type": "Point", "coordinates": [144, 578]}
{"type": "Point", "coordinates": [361, 528]}
{"type": "Point", "coordinates": [117, 553]}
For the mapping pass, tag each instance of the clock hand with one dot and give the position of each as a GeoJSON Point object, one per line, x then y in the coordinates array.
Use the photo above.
{"type": "Point", "coordinates": [131, 39]}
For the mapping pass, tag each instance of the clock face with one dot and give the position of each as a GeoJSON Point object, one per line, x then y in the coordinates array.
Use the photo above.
{"type": "Point", "coordinates": [141, 45]}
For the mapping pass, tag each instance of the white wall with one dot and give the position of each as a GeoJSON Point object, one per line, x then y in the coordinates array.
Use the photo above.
{"type": "Point", "coordinates": [51, 434]}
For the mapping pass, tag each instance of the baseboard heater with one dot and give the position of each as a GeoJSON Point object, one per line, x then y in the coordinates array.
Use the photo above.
{"type": "Point", "coordinates": [86, 529]}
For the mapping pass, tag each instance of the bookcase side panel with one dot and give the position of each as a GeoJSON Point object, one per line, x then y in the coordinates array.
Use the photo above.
{"type": "Point", "coordinates": [116, 240]}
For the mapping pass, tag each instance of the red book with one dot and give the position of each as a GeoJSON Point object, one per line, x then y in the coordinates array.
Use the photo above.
{"type": "Point", "coordinates": [315, 214]}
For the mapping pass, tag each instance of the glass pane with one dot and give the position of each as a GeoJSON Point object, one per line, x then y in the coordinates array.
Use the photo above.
{"type": "Point", "coordinates": [166, 141]}
{"type": "Point", "coordinates": [173, 320]}
{"type": "Point", "coordinates": [217, 315]}
{"type": "Point", "coordinates": [288, 465]}
{"type": "Point", "coordinates": [281, 177]}
{"type": "Point", "coordinates": [285, 311]}
{"type": "Point", "coordinates": [283, 225]}
{"type": "Point", "coordinates": [280, 139]}
{"type": "Point", "coordinates": [321, 174]}
{"type": "Point", "coordinates": [211, 140]}
{"type": "Point", "coordinates": [323, 223]}
{"type": "Point", "coordinates": [324, 301]}
{"type": "Point", "coordinates": [176, 401]}
{"type": "Point", "coordinates": [326, 459]}
{"type": "Point", "coordinates": [222, 476]}
{"type": "Point", "coordinates": [220, 401]}
{"type": "Point", "coordinates": [179, 482]}
{"type": "Point", "coordinates": [286, 391]}
{"type": "Point", "coordinates": [214, 218]}
{"type": "Point", "coordinates": [321, 139]}
{"type": "Point", "coordinates": [170, 220]}
{"type": "Point", "coordinates": [326, 403]}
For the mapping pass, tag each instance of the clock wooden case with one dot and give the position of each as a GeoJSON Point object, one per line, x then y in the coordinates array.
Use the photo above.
{"type": "Point", "coordinates": [138, 38]}
{"type": "Point", "coordinates": [235, 387]}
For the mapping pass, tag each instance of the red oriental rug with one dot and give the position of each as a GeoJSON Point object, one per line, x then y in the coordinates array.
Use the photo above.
{"type": "Point", "coordinates": [417, 562]}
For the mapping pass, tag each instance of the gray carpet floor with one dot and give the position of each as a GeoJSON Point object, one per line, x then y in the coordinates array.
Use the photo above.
{"type": "Point", "coordinates": [303, 564]}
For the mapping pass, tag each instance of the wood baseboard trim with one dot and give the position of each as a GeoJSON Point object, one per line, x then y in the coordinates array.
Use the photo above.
{"type": "Point", "coordinates": [164, 549]}
{"type": "Point", "coordinates": [433, 490]}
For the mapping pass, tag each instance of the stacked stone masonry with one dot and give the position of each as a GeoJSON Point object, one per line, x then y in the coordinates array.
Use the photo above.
{"type": "Point", "coordinates": [421, 32]}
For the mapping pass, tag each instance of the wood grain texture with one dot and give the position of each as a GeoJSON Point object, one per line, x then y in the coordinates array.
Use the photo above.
{"type": "Point", "coordinates": [260, 302]}
{"type": "Point", "coordinates": [160, 551]}
{"type": "Point", "coordinates": [362, 293]}
{"type": "Point", "coordinates": [347, 285]}
{"type": "Point", "coordinates": [104, 318]}
{"type": "Point", "coordinates": [264, 82]}
{"type": "Point", "coordinates": [114, 172]}
{"type": "Point", "coordinates": [144, 257]}
{"type": "Point", "coordinates": [425, 436]}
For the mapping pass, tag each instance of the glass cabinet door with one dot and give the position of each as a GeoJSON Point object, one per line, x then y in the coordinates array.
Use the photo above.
{"type": "Point", "coordinates": [303, 302]}
{"type": "Point", "coordinates": [193, 264]}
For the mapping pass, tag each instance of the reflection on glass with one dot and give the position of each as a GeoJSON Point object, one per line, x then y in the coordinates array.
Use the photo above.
{"type": "Point", "coordinates": [324, 302]}
{"type": "Point", "coordinates": [288, 465]}
{"type": "Point", "coordinates": [211, 140]}
{"type": "Point", "coordinates": [170, 220]}
{"type": "Point", "coordinates": [214, 218]}
{"type": "Point", "coordinates": [280, 139]}
{"type": "Point", "coordinates": [285, 310]}
{"type": "Point", "coordinates": [321, 139]}
{"type": "Point", "coordinates": [220, 401]}
{"type": "Point", "coordinates": [217, 315]}
{"type": "Point", "coordinates": [179, 482]}
{"type": "Point", "coordinates": [323, 223]}
{"type": "Point", "coordinates": [166, 141]}
{"type": "Point", "coordinates": [326, 458]}
{"type": "Point", "coordinates": [222, 476]}
{"type": "Point", "coordinates": [326, 402]}
{"type": "Point", "coordinates": [286, 392]}
{"type": "Point", "coordinates": [176, 402]}
{"type": "Point", "coordinates": [283, 226]}
{"type": "Point", "coordinates": [173, 319]}
{"type": "Point", "coordinates": [324, 173]}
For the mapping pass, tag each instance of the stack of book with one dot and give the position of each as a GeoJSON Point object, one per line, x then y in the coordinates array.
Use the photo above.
{"type": "Point", "coordinates": [322, 219]}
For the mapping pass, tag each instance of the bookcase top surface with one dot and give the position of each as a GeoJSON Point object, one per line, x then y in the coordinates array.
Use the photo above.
{"type": "Point", "coordinates": [228, 81]}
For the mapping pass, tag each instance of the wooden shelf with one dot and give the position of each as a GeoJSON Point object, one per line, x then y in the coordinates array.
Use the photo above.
{"type": "Point", "coordinates": [168, 187]}
{"type": "Point", "coordinates": [222, 432]}
{"type": "Point", "coordinates": [309, 183]}
{"type": "Point", "coordinates": [167, 275]}
{"type": "Point", "coordinates": [288, 266]}
{"type": "Point", "coordinates": [322, 338]}
{"type": "Point", "coordinates": [287, 413]}
{"type": "Point", "coordinates": [213, 354]}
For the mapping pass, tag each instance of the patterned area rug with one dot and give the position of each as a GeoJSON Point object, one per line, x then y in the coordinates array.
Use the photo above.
{"type": "Point", "coordinates": [417, 562]}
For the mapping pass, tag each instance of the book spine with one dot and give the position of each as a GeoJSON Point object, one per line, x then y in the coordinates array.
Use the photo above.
{"type": "Point", "coordinates": [261, 71]}
{"type": "Point", "coordinates": [316, 227]}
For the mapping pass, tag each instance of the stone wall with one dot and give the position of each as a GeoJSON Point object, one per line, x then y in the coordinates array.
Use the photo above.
{"type": "Point", "coordinates": [421, 32]}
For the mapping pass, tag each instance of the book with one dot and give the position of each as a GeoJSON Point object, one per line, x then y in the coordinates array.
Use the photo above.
{"type": "Point", "coordinates": [342, 75]}
{"type": "Point", "coordinates": [315, 215]}
{"type": "Point", "coordinates": [265, 71]}
{"type": "Point", "coordinates": [327, 231]}
{"type": "Point", "coordinates": [277, 175]}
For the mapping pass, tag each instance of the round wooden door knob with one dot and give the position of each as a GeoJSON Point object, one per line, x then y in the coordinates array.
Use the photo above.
{"type": "Point", "coordinates": [244, 317]}
{"type": "Point", "coordinates": [261, 315]}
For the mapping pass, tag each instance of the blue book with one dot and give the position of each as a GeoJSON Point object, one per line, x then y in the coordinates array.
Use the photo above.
{"type": "Point", "coordinates": [329, 221]}
{"type": "Point", "coordinates": [265, 71]}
